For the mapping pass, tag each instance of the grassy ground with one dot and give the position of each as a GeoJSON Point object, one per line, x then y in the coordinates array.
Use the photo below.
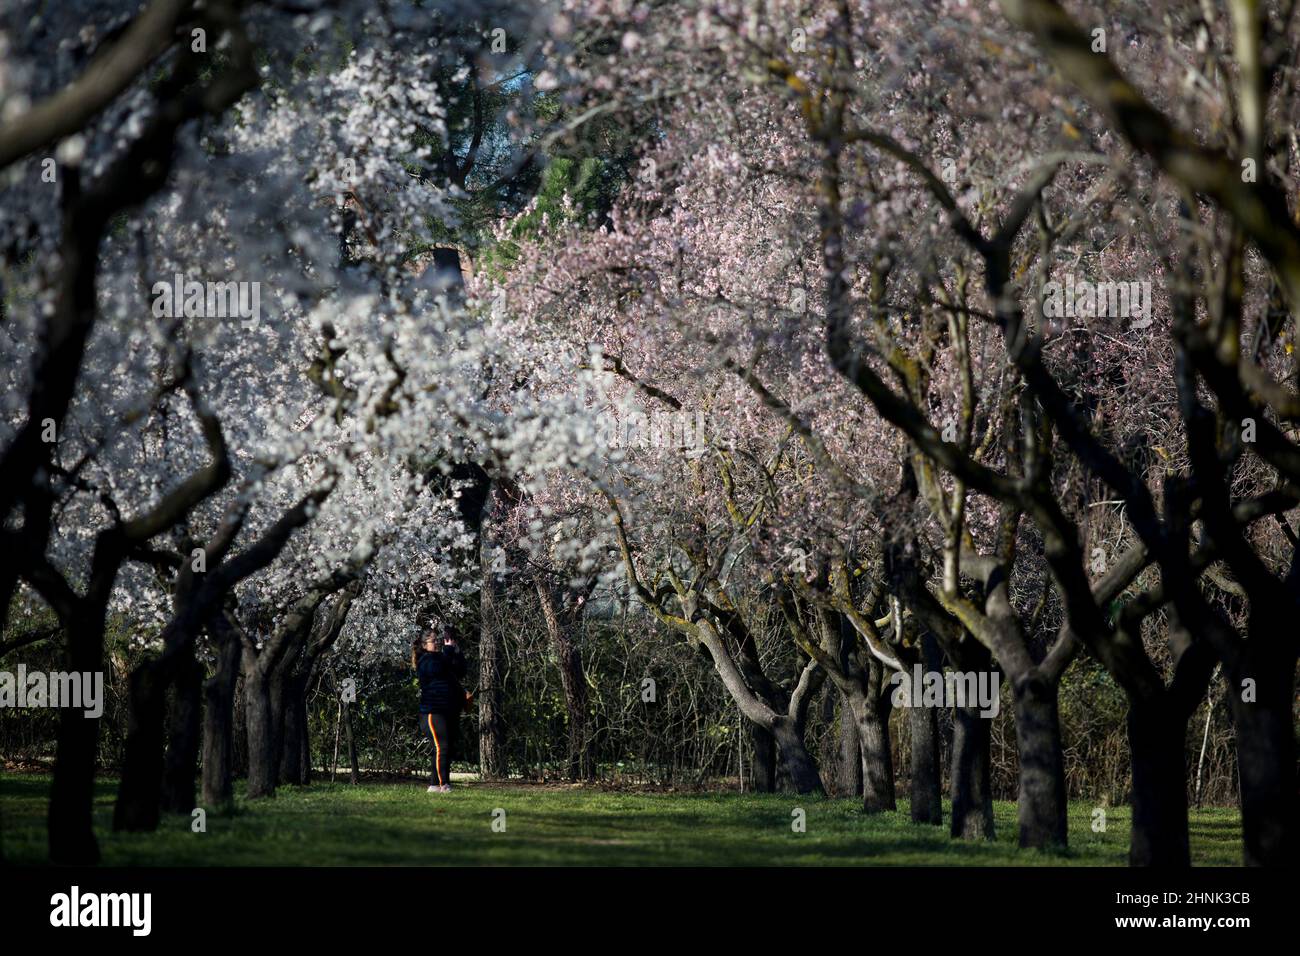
{"type": "Point", "coordinates": [400, 824]}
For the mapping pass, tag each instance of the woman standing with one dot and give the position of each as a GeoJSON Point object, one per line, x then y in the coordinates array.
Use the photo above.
{"type": "Point", "coordinates": [440, 666]}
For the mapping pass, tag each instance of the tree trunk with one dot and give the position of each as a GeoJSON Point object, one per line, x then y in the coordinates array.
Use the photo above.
{"type": "Point", "coordinates": [263, 756]}
{"type": "Point", "coordinates": [872, 711]}
{"type": "Point", "coordinates": [786, 728]}
{"type": "Point", "coordinates": [970, 773]}
{"type": "Point", "coordinates": [239, 739]}
{"type": "Point", "coordinates": [293, 751]}
{"type": "Point", "coordinates": [277, 684]}
{"type": "Point", "coordinates": [139, 795]}
{"type": "Point", "coordinates": [304, 741]}
{"type": "Point", "coordinates": [877, 762]}
{"type": "Point", "coordinates": [795, 757]}
{"type": "Point", "coordinates": [1266, 760]}
{"type": "Point", "coordinates": [927, 787]}
{"type": "Point", "coordinates": [850, 776]}
{"type": "Point", "coordinates": [72, 794]}
{"type": "Point", "coordinates": [218, 727]}
{"type": "Point", "coordinates": [354, 769]}
{"type": "Point", "coordinates": [1042, 804]}
{"type": "Point", "coordinates": [582, 762]}
{"type": "Point", "coordinates": [560, 627]}
{"type": "Point", "coordinates": [762, 770]}
{"type": "Point", "coordinates": [1157, 741]}
{"type": "Point", "coordinates": [491, 725]}
{"type": "Point", "coordinates": [180, 774]}
{"type": "Point", "coordinates": [927, 773]}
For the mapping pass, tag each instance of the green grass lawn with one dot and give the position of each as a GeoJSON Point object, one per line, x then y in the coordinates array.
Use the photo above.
{"type": "Point", "coordinates": [400, 824]}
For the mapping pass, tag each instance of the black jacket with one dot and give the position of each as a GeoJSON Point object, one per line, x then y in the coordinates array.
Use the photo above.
{"type": "Point", "coordinates": [440, 673]}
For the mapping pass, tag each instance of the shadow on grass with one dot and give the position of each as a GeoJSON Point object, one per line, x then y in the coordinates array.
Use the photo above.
{"type": "Point", "coordinates": [398, 824]}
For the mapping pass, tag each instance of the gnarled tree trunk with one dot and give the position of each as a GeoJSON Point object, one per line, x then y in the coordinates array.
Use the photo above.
{"type": "Point", "coordinates": [1041, 806]}
{"type": "Point", "coordinates": [1157, 740]}
{"type": "Point", "coordinates": [295, 766]}
{"type": "Point", "coordinates": [923, 722]}
{"type": "Point", "coordinates": [850, 776]}
{"type": "Point", "coordinates": [762, 772]}
{"type": "Point", "coordinates": [139, 795]}
{"type": "Point", "coordinates": [798, 763]}
{"type": "Point", "coordinates": [926, 787]}
{"type": "Point", "coordinates": [872, 711]}
{"type": "Point", "coordinates": [181, 768]}
{"type": "Point", "coordinates": [1266, 757]}
{"type": "Point", "coordinates": [71, 834]}
{"type": "Point", "coordinates": [970, 775]}
{"type": "Point", "coordinates": [262, 753]}
{"type": "Point", "coordinates": [218, 721]}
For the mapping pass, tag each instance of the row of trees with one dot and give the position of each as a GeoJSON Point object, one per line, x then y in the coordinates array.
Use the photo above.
{"type": "Point", "coordinates": [842, 259]}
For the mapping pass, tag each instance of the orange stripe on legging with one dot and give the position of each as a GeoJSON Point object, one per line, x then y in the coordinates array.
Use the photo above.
{"type": "Point", "coordinates": [437, 748]}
